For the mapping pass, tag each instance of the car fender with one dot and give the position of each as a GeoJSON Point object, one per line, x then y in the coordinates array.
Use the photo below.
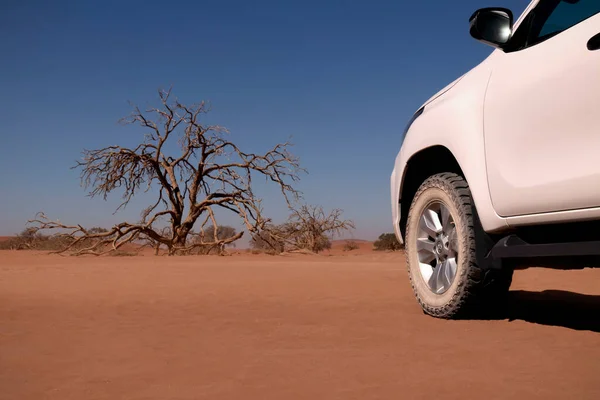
{"type": "Point", "coordinates": [453, 120]}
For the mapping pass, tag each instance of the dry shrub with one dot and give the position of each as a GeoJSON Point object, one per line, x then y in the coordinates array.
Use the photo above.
{"type": "Point", "coordinates": [350, 245]}
{"type": "Point", "coordinates": [264, 251]}
{"type": "Point", "coordinates": [270, 239]}
{"type": "Point", "coordinates": [11, 244]}
{"type": "Point", "coordinates": [32, 239]}
{"type": "Point", "coordinates": [307, 228]}
{"type": "Point", "coordinates": [122, 253]}
{"type": "Point", "coordinates": [387, 241]}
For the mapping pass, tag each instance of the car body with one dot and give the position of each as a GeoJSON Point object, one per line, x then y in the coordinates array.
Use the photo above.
{"type": "Point", "coordinates": [522, 127]}
{"type": "Point", "coordinates": [544, 171]}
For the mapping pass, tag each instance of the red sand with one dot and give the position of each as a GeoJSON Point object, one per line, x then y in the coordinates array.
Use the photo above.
{"type": "Point", "coordinates": [295, 327]}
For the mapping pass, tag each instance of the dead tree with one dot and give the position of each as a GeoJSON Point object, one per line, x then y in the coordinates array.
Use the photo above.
{"type": "Point", "coordinates": [207, 173]}
{"type": "Point", "coordinates": [307, 228]}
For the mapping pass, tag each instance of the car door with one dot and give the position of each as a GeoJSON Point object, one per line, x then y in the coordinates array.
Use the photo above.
{"type": "Point", "coordinates": [542, 112]}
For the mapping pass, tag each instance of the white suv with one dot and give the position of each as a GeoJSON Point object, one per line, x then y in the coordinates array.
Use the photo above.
{"type": "Point", "coordinates": [503, 164]}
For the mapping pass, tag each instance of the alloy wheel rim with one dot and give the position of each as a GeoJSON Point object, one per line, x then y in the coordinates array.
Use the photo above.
{"type": "Point", "coordinates": [437, 247]}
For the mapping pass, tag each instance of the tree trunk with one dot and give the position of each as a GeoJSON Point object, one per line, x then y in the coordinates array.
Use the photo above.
{"type": "Point", "coordinates": [179, 242]}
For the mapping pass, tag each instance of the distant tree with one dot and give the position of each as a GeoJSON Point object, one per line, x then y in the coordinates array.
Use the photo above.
{"type": "Point", "coordinates": [387, 241]}
{"type": "Point", "coordinates": [209, 172]}
{"type": "Point", "coordinates": [217, 238]}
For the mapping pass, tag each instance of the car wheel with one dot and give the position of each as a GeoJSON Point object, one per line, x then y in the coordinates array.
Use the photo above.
{"type": "Point", "coordinates": [443, 240]}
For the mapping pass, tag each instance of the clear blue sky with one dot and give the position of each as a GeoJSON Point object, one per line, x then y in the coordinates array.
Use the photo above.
{"type": "Point", "coordinates": [341, 77]}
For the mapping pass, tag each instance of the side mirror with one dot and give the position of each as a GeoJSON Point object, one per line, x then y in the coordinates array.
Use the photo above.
{"type": "Point", "coordinates": [492, 26]}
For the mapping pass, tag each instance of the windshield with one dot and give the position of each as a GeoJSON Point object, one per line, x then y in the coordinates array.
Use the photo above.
{"type": "Point", "coordinates": [551, 17]}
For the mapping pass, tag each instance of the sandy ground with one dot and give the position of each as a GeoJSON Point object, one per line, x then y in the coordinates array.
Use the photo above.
{"type": "Point", "coordinates": [297, 327]}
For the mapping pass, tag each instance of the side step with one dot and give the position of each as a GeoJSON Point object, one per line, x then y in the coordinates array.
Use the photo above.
{"type": "Point", "coordinates": [514, 247]}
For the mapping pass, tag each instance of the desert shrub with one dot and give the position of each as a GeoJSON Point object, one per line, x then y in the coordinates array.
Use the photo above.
{"type": "Point", "coordinates": [350, 245]}
{"type": "Point", "coordinates": [307, 228]}
{"type": "Point", "coordinates": [269, 240]}
{"type": "Point", "coordinates": [51, 243]}
{"type": "Point", "coordinates": [206, 250]}
{"type": "Point", "coordinates": [31, 239]}
{"type": "Point", "coordinates": [313, 241]}
{"type": "Point", "coordinates": [97, 229]}
{"type": "Point", "coordinates": [122, 253]}
{"type": "Point", "coordinates": [11, 244]}
{"type": "Point", "coordinates": [387, 241]}
{"type": "Point", "coordinates": [268, 252]}
{"type": "Point", "coordinates": [290, 237]}
{"type": "Point", "coordinates": [310, 228]}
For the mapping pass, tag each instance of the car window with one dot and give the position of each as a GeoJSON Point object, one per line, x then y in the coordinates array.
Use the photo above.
{"type": "Point", "coordinates": [549, 18]}
{"type": "Point", "coordinates": [567, 14]}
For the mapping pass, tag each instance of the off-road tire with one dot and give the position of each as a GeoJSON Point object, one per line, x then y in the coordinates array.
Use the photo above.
{"type": "Point", "coordinates": [474, 291]}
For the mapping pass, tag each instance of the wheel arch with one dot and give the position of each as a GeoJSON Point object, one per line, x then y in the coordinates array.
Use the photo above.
{"type": "Point", "coordinates": [419, 167]}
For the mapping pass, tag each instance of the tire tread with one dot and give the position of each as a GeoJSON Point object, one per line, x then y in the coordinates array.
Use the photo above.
{"type": "Point", "coordinates": [477, 291]}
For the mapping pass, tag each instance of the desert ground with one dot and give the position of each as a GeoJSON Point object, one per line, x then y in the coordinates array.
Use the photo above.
{"type": "Point", "coordinates": [341, 325]}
